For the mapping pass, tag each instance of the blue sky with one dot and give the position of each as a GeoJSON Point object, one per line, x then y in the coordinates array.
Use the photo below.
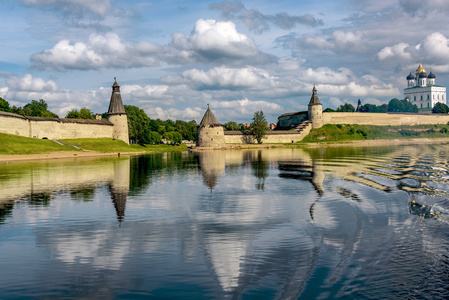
{"type": "Point", "coordinates": [172, 58]}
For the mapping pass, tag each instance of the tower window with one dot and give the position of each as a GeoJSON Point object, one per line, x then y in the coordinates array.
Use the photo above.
{"type": "Point", "coordinates": [428, 97]}
{"type": "Point", "coordinates": [414, 98]}
{"type": "Point", "coordinates": [421, 97]}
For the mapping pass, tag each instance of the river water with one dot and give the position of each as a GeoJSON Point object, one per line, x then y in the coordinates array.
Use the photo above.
{"type": "Point", "coordinates": [350, 223]}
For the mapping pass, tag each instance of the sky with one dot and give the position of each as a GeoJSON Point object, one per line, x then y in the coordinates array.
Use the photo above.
{"type": "Point", "coordinates": [172, 58]}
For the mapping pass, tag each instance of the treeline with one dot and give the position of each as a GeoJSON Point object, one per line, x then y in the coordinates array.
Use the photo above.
{"type": "Point", "coordinates": [142, 129]}
{"type": "Point", "coordinates": [233, 126]}
{"type": "Point", "coordinates": [394, 105]}
{"type": "Point", "coordinates": [33, 109]}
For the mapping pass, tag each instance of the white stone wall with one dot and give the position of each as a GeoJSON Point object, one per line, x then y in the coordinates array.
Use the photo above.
{"type": "Point", "coordinates": [59, 130]}
{"type": "Point", "coordinates": [383, 119]}
{"type": "Point", "coordinates": [272, 137]}
{"type": "Point", "coordinates": [16, 125]}
{"type": "Point", "coordinates": [21, 126]}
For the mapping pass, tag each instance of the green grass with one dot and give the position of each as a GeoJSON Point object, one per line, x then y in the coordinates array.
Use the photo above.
{"type": "Point", "coordinates": [13, 144]}
{"type": "Point", "coordinates": [107, 145]}
{"type": "Point", "coordinates": [16, 145]}
{"type": "Point", "coordinates": [340, 133]}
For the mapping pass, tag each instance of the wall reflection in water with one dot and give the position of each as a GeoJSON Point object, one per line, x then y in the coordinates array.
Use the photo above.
{"type": "Point", "coordinates": [272, 223]}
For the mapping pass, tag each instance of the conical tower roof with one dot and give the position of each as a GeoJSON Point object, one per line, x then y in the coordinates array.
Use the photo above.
{"type": "Point", "coordinates": [116, 104]}
{"type": "Point", "coordinates": [209, 119]}
{"type": "Point", "coordinates": [314, 99]}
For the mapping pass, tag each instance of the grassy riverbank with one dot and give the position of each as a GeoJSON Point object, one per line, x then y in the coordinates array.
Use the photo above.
{"type": "Point", "coordinates": [18, 145]}
{"type": "Point", "coordinates": [340, 133]}
{"type": "Point", "coordinates": [105, 145]}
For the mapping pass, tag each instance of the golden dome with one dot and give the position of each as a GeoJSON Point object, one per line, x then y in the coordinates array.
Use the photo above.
{"type": "Point", "coordinates": [420, 69]}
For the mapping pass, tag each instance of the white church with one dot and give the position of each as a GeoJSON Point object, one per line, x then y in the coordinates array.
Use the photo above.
{"type": "Point", "coordinates": [422, 89]}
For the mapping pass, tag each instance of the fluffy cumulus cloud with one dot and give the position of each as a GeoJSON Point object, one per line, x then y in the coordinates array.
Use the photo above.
{"type": "Point", "coordinates": [99, 52]}
{"type": "Point", "coordinates": [21, 90]}
{"type": "Point", "coordinates": [326, 75]}
{"type": "Point", "coordinates": [29, 84]}
{"type": "Point", "coordinates": [435, 45]}
{"type": "Point", "coordinates": [398, 51]}
{"type": "Point", "coordinates": [434, 48]}
{"type": "Point", "coordinates": [213, 40]}
{"type": "Point", "coordinates": [259, 22]}
{"type": "Point", "coordinates": [209, 41]}
{"type": "Point", "coordinates": [229, 78]}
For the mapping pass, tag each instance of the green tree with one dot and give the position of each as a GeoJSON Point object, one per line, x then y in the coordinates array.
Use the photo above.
{"type": "Point", "coordinates": [396, 105]}
{"type": "Point", "coordinates": [231, 126]}
{"type": "Point", "coordinates": [154, 138]}
{"type": "Point", "coordinates": [168, 136]}
{"type": "Point", "coordinates": [83, 113]}
{"type": "Point", "coordinates": [38, 109]}
{"type": "Point", "coordinates": [440, 108]}
{"type": "Point", "coordinates": [4, 105]}
{"type": "Point", "coordinates": [346, 108]}
{"type": "Point", "coordinates": [138, 128]}
{"type": "Point", "coordinates": [259, 126]}
{"type": "Point", "coordinates": [328, 110]}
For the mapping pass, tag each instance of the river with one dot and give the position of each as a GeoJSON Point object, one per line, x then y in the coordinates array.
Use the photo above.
{"type": "Point", "coordinates": [324, 223]}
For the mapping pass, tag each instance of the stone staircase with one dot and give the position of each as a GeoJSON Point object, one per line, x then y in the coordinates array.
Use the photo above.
{"type": "Point", "coordinates": [305, 124]}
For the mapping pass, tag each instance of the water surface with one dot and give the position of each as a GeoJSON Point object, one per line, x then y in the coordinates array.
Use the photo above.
{"type": "Point", "coordinates": [355, 223]}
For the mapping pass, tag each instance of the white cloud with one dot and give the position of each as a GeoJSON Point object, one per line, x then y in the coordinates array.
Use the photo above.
{"type": "Point", "coordinates": [327, 75]}
{"type": "Point", "coordinates": [189, 113]}
{"type": "Point", "coordinates": [30, 84]}
{"type": "Point", "coordinates": [210, 41]}
{"type": "Point", "coordinates": [213, 40]}
{"type": "Point", "coordinates": [243, 109]}
{"type": "Point", "coordinates": [436, 46]}
{"type": "Point", "coordinates": [223, 77]}
{"type": "Point", "coordinates": [100, 51]}
{"type": "Point", "coordinates": [397, 51]}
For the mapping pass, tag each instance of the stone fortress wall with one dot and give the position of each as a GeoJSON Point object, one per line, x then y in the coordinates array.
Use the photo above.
{"type": "Point", "coordinates": [54, 128]}
{"type": "Point", "coordinates": [383, 119]}
{"type": "Point", "coordinates": [60, 128]}
{"type": "Point", "coordinates": [316, 118]}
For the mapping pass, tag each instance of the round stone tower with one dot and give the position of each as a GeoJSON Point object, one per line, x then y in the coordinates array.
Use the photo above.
{"type": "Point", "coordinates": [315, 110]}
{"type": "Point", "coordinates": [117, 115]}
{"type": "Point", "coordinates": [210, 132]}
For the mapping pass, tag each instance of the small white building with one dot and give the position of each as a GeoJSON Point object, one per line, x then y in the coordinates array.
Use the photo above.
{"type": "Point", "coordinates": [422, 90]}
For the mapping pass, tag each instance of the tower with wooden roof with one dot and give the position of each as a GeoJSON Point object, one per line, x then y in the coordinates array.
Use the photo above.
{"type": "Point", "coordinates": [315, 113]}
{"type": "Point", "coordinates": [117, 115]}
{"type": "Point", "coordinates": [210, 132]}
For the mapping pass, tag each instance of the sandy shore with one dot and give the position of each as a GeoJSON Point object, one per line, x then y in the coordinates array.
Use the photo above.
{"type": "Point", "coordinates": [359, 143]}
